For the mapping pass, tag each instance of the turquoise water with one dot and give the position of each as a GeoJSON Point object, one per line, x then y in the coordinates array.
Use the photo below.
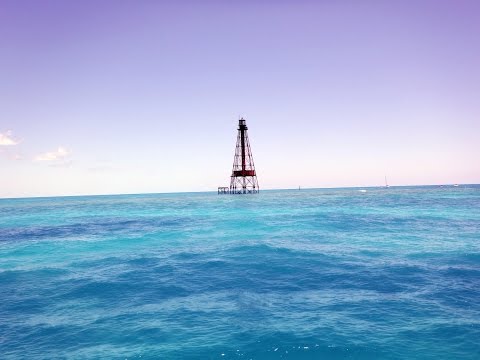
{"type": "Point", "coordinates": [312, 274]}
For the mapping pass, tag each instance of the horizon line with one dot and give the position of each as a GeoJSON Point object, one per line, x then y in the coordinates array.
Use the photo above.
{"type": "Point", "coordinates": [214, 191]}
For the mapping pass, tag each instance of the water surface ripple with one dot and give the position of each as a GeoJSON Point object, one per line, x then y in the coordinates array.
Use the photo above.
{"type": "Point", "coordinates": [311, 274]}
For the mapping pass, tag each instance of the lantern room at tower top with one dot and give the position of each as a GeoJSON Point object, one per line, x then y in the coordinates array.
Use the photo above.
{"type": "Point", "coordinates": [243, 179]}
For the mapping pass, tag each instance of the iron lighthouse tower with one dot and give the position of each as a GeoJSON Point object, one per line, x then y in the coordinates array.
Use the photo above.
{"type": "Point", "coordinates": [244, 178]}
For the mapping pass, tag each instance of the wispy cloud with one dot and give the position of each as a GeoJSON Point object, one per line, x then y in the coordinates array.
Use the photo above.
{"type": "Point", "coordinates": [60, 156]}
{"type": "Point", "coordinates": [61, 164]}
{"type": "Point", "coordinates": [6, 139]}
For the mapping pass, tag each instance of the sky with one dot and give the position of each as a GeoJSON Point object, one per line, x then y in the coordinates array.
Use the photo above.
{"type": "Point", "coordinates": [106, 97]}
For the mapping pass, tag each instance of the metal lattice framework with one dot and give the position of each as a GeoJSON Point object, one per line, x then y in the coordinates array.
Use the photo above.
{"type": "Point", "coordinates": [244, 178]}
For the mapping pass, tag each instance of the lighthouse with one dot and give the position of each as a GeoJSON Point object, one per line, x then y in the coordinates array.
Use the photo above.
{"type": "Point", "coordinates": [244, 177]}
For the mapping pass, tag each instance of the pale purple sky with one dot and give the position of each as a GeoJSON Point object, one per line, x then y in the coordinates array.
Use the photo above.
{"type": "Point", "coordinates": [144, 96]}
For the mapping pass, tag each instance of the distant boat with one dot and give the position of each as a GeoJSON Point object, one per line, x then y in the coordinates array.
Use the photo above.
{"type": "Point", "coordinates": [362, 190]}
{"type": "Point", "coordinates": [455, 185]}
{"type": "Point", "coordinates": [386, 182]}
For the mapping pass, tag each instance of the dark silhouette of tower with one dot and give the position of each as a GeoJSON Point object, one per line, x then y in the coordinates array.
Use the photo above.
{"type": "Point", "coordinates": [244, 178]}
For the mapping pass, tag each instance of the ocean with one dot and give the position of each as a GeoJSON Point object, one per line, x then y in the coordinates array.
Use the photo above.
{"type": "Point", "coordinates": [289, 274]}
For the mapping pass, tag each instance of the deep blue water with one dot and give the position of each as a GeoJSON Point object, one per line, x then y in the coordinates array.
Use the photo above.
{"type": "Point", "coordinates": [311, 274]}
